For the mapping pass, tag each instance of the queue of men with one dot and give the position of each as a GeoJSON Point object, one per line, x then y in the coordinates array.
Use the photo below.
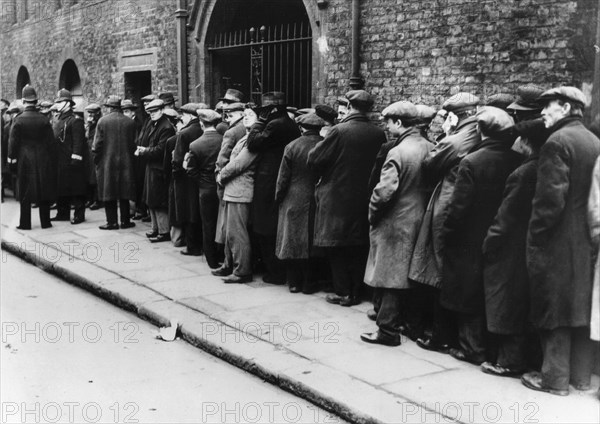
{"type": "Point", "coordinates": [477, 241]}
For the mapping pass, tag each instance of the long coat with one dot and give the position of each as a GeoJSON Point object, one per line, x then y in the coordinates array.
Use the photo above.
{"type": "Point", "coordinates": [395, 212]}
{"type": "Point", "coordinates": [594, 223]}
{"type": "Point", "coordinates": [440, 168]}
{"type": "Point", "coordinates": [184, 206]}
{"type": "Point", "coordinates": [90, 134]}
{"type": "Point", "coordinates": [72, 149]}
{"type": "Point", "coordinates": [113, 148]}
{"type": "Point", "coordinates": [268, 141]}
{"type": "Point", "coordinates": [156, 184]}
{"type": "Point", "coordinates": [477, 195]}
{"type": "Point", "coordinates": [505, 277]}
{"type": "Point", "coordinates": [204, 157]}
{"type": "Point", "coordinates": [343, 161]}
{"type": "Point", "coordinates": [139, 162]}
{"type": "Point", "coordinates": [31, 144]}
{"type": "Point", "coordinates": [295, 194]}
{"type": "Point", "coordinates": [559, 248]}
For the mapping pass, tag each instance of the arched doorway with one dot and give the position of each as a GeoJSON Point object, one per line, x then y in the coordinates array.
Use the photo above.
{"type": "Point", "coordinates": [69, 79]}
{"type": "Point", "coordinates": [22, 80]}
{"type": "Point", "coordinates": [258, 46]}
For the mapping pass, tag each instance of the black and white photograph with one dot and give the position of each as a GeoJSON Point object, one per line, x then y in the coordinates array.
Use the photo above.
{"type": "Point", "coordinates": [300, 211]}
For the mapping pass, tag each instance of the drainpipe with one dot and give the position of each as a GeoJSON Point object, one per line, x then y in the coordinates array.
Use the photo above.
{"type": "Point", "coordinates": [356, 82]}
{"type": "Point", "coordinates": [182, 60]}
{"type": "Point", "coordinates": [596, 83]}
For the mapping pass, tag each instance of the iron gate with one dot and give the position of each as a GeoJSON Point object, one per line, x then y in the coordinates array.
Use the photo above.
{"type": "Point", "coordinates": [280, 59]}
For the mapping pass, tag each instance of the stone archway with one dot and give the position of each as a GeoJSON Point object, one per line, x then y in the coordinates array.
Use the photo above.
{"type": "Point", "coordinates": [23, 79]}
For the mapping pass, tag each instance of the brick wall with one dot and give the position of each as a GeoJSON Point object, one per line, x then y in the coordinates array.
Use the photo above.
{"type": "Point", "coordinates": [92, 33]}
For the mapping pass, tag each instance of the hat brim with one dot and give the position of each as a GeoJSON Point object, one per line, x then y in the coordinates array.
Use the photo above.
{"type": "Point", "coordinates": [517, 106]}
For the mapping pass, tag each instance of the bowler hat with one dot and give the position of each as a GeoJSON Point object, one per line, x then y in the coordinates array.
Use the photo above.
{"type": "Point", "coordinates": [29, 94]}
{"type": "Point", "coordinates": [461, 102]}
{"type": "Point", "coordinates": [273, 98]}
{"type": "Point", "coordinates": [113, 101]}
{"type": "Point", "coordinates": [64, 95]}
{"type": "Point", "coordinates": [527, 98]}
{"type": "Point", "coordinates": [93, 108]}
{"type": "Point", "coordinates": [208, 115]}
{"type": "Point", "coordinates": [500, 100]}
{"type": "Point", "coordinates": [167, 98]}
{"type": "Point", "coordinates": [401, 109]}
{"type": "Point", "coordinates": [360, 99]}
{"type": "Point", "coordinates": [233, 96]}
{"type": "Point", "coordinates": [155, 105]}
{"type": "Point", "coordinates": [493, 120]}
{"type": "Point", "coordinates": [327, 113]}
{"type": "Point", "coordinates": [127, 104]}
{"type": "Point", "coordinates": [149, 98]}
{"type": "Point", "coordinates": [232, 107]}
{"type": "Point", "coordinates": [570, 94]}
{"type": "Point", "coordinates": [310, 120]}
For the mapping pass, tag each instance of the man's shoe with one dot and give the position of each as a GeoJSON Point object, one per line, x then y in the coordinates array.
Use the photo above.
{"type": "Point", "coordinates": [137, 216]}
{"type": "Point", "coordinates": [221, 272]}
{"type": "Point", "coordinates": [533, 381]}
{"type": "Point", "coordinates": [461, 355]}
{"type": "Point", "coordinates": [372, 315]}
{"type": "Point", "coordinates": [95, 206]}
{"type": "Point", "coordinates": [430, 344]}
{"type": "Point", "coordinates": [59, 218]}
{"type": "Point", "coordinates": [109, 227]}
{"type": "Point", "coordinates": [76, 221]}
{"type": "Point", "coordinates": [295, 289]}
{"type": "Point", "coordinates": [126, 225]}
{"type": "Point", "coordinates": [151, 234]}
{"type": "Point", "coordinates": [236, 279]}
{"type": "Point", "coordinates": [44, 226]}
{"type": "Point", "coordinates": [378, 338]}
{"type": "Point", "coordinates": [333, 299]}
{"type": "Point", "coordinates": [349, 301]}
{"type": "Point", "coordinates": [160, 238]}
{"type": "Point", "coordinates": [499, 370]}
{"type": "Point", "coordinates": [20, 227]}
{"type": "Point", "coordinates": [186, 252]}
{"type": "Point", "coordinates": [146, 218]}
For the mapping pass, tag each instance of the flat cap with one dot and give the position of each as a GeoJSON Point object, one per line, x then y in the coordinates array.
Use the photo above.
{"type": "Point", "coordinates": [167, 98]}
{"type": "Point", "coordinates": [190, 108]}
{"type": "Point", "coordinates": [360, 98]}
{"type": "Point", "coordinates": [273, 98]}
{"type": "Point", "coordinates": [113, 101]}
{"type": "Point", "coordinates": [127, 104]}
{"type": "Point", "coordinates": [401, 109]}
{"type": "Point", "coordinates": [155, 105]}
{"type": "Point", "coordinates": [304, 111]}
{"type": "Point", "coordinates": [527, 98]}
{"type": "Point", "coordinates": [208, 115]}
{"type": "Point", "coordinates": [149, 98]}
{"type": "Point", "coordinates": [310, 120]}
{"type": "Point", "coordinates": [46, 104]}
{"type": "Point", "coordinates": [171, 113]}
{"type": "Point", "coordinates": [325, 112]}
{"type": "Point", "coordinates": [425, 112]}
{"type": "Point", "coordinates": [571, 94]}
{"type": "Point", "coordinates": [342, 101]}
{"type": "Point", "coordinates": [461, 102]}
{"type": "Point", "coordinates": [232, 107]}
{"type": "Point", "coordinates": [29, 94]}
{"type": "Point", "coordinates": [493, 120]}
{"type": "Point", "coordinates": [93, 107]}
{"type": "Point", "coordinates": [500, 100]}
{"type": "Point", "coordinates": [233, 96]}
{"type": "Point", "coordinates": [15, 107]}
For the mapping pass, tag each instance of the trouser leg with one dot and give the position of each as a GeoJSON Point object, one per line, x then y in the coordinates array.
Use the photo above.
{"type": "Point", "coordinates": [472, 334]}
{"type": "Point", "coordinates": [582, 357]}
{"type": "Point", "coordinates": [209, 210]}
{"type": "Point", "coordinates": [153, 220]}
{"type": "Point", "coordinates": [357, 263]}
{"type": "Point", "coordinates": [377, 294]}
{"type": "Point", "coordinates": [238, 238]}
{"type": "Point", "coordinates": [79, 207]}
{"type": "Point", "coordinates": [162, 221]}
{"type": "Point", "coordinates": [125, 211]}
{"type": "Point", "coordinates": [63, 207]}
{"type": "Point", "coordinates": [390, 309]}
{"type": "Point", "coordinates": [339, 274]}
{"type": "Point", "coordinates": [193, 238]}
{"type": "Point", "coordinates": [44, 211]}
{"type": "Point", "coordinates": [511, 351]}
{"type": "Point", "coordinates": [275, 268]}
{"type": "Point", "coordinates": [556, 346]}
{"type": "Point", "coordinates": [295, 273]}
{"type": "Point", "coordinates": [110, 209]}
{"type": "Point", "coordinates": [25, 219]}
{"type": "Point", "coordinates": [445, 329]}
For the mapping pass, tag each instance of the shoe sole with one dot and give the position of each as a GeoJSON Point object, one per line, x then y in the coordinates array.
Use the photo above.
{"type": "Point", "coordinates": [527, 384]}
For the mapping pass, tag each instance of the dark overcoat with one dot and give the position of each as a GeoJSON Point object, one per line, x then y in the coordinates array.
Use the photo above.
{"type": "Point", "coordinates": [440, 169]}
{"type": "Point", "coordinates": [202, 166]}
{"type": "Point", "coordinates": [72, 149]}
{"type": "Point", "coordinates": [183, 204]}
{"type": "Point", "coordinates": [156, 184]}
{"type": "Point", "coordinates": [505, 277]}
{"type": "Point", "coordinates": [268, 140]}
{"type": "Point", "coordinates": [90, 134]}
{"type": "Point", "coordinates": [295, 194]}
{"type": "Point", "coordinates": [139, 162]}
{"type": "Point", "coordinates": [31, 144]}
{"type": "Point", "coordinates": [113, 148]}
{"type": "Point", "coordinates": [395, 212]}
{"type": "Point", "coordinates": [343, 161]}
{"type": "Point", "coordinates": [559, 247]}
{"type": "Point", "coordinates": [474, 203]}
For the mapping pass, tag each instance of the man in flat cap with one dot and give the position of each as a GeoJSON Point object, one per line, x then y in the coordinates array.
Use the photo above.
{"type": "Point", "coordinates": [184, 207]}
{"type": "Point", "coordinates": [343, 161]}
{"type": "Point", "coordinates": [527, 106]}
{"type": "Point", "coordinates": [45, 106]}
{"type": "Point", "coordinates": [396, 207]}
{"type": "Point", "coordinates": [72, 148]}
{"type": "Point", "coordinates": [559, 249]}
{"type": "Point", "coordinates": [94, 113]}
{"type": "Point", "coordinates": [156, 186]}
{"type": "Point", "coordinates": [476, 197]}
{"type": "Point", "coordinates": [327, 114]}
{"type": "Point", "coordinates": [113, 148]}
{"type": "Point", "coordinates": [268, 138]}
{"type": "Point", "coordinates": [30, 149]}
{"type": "Point", "coordinates": [440, 168]}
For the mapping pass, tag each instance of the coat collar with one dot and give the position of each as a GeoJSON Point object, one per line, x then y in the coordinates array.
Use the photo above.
{"type": "Point", "coordinates": [408, 133]}
{"type": "Point", "coordinates": [356, 116]}
{"type": "Point", "coordinates": [569, 120]}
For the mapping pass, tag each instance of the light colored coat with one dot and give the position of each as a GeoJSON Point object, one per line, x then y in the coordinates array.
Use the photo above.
{"type": "Point", "coordinates": [238, 175]}
{"type": "Point", "coordinates": [594, 222]}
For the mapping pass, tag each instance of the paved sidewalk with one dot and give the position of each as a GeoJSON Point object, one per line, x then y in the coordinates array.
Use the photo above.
{"type": "Point", "coordinates": [298, 342]}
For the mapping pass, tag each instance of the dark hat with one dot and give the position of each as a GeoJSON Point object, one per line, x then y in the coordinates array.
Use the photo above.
{"type": "Point", "coordinates": [113, 101]}
{"type": "Point", "coordinates": [64, 95]}
{"type": "Point", "coordinates": [44, 104]}
{"type": "Point", "coordinates": [304, 111]}
{"type": "Point", "coordinates": [402, 109]}
{"type": "Point", "coordinates": [273, 98]}
{"type": "Point", "coordinates": [189, 108]}
{"type": "Point", "coordinates": [233, 96]}
{"type": "Point", "coordinates": [327, 113]}
{"type": "Point", "coordinates": [461, 102]}
{"type": "Point", "coordinates": [5, 102]}
{"type": "Point", "coordinates": [167, 98]}
{"type": "Point", "coordinates": [149, 98]}
{"type": "Point", "coordinates": [500, 100]}
{"type": "Point", "coordinates": [208, 115]}
{"type": "Point", "coordinates": [310, 120]}
{"type": "Point", "coordinates": [128, 104]}
{"type": "Point", "coordinates": [93, 108]}
{"type": "Point", "coordinates": [425, 113]}
{"type": "Point", "coordinates": [527, 98]}
{"type": "Point", "coordinates": [29, 94]}
{"type": "Point", "coordinates": [493, 120]}
{"type": "Point", "coordinates": [570, 94]}
{"type": "Point", "coordinates": [155, 105]}
{"type": "Point", "coordinates": [232, 107]}
{"type": "Point", "coordinates": [360, 98]}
